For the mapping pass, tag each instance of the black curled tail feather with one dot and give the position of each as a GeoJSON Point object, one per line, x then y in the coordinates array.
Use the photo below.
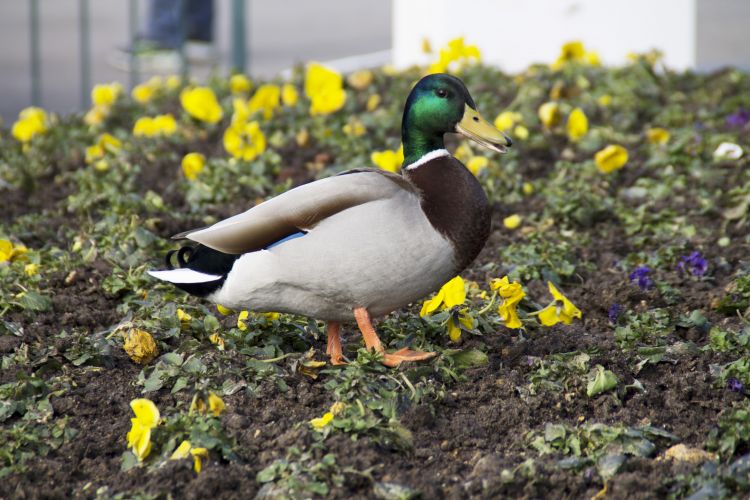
{"type": "Point", "coordinates": [202, 259]}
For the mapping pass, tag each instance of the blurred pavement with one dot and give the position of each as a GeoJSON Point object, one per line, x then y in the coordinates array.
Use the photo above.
{"type": "Point", "coordinates": [279, 33]}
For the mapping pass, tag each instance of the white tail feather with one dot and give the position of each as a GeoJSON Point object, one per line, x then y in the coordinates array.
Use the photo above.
{"type": "Point", "coordinates": [184, 275]}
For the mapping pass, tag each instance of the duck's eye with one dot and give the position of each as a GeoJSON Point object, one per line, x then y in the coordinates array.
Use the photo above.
{"type": "Point", "coordinates": [442, 93]}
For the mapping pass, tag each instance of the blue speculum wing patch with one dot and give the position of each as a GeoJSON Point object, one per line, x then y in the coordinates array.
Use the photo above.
{"type": "Point", "coordinates": [292, 236]}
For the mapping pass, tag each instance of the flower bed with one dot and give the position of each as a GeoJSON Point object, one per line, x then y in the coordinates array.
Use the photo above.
{"type": "Point", "coordinates": [598, 345]}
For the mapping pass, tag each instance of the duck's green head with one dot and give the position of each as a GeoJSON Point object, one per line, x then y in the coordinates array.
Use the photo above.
{"type": "Point", "coordinates": [439, 104]}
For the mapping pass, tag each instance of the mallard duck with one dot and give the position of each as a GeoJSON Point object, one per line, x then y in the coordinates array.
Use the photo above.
{"type": "Point", "coordinates": [359, 244]}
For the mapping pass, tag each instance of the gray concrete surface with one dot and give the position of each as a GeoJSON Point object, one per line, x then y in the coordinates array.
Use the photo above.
{"type": "Point", "coordinates": [280, 34]}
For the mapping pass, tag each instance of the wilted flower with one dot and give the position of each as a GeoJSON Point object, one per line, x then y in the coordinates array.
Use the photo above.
{"type": "Point", "coordinates": [140, 346]}
{"type": "Point", "coordinates": [738, 119]}
{"type": "Point", "coordinates": [224, 311]}
{"type": "Point", "coordinates": [245, 141]}
{"type": "Point", "coordinates": [388, 160]}
{"type": "Point", "coordinates": [611, 158]}
{"type": "Point", "coordinates": [192, 165]}
{"type": "Point", "coordinates": [266, 99]}
{"type": "Point", "coordinates": [354, 128]}
{"type": "Point", "coordinates": [201, 104]}
{"type": "Point", "coordinates": [216, 340]}
{"type": "Point", "coordinates": [324, 87]}
{"type": "Point", "coordinates": [549, 114]}
{"type": "Point", "coordinates": [146, 418]}
{"type": "Point", "coordinates": [511, 295]}
{"type": "Point", "coordinates": [561, 310]}
{"type": "Point", "coordinates": [361, 79]}
{"type": "Point", "coordinates": [31, 122]}
{"type": "Point", "coordinates": [657, 135]}
{"type": "Point", "coordinates": [578, 124]}
{"type": "Point", "coordinates": [694, 263]}
{"type": "Point", "coordinates": [728, 151]}
{"type": "Point", "coordinates": [641, 276]}
{"type": "Point", "coordinates": [338, 408]}
{"type": "Point", "coordinates": [615, 310]}
{"type": "Point", "coordinates": [183, 317]}
{"type": "Point", "coordinates": [239, 84]}
{"type": "Point", "coordinates": [512, 221]}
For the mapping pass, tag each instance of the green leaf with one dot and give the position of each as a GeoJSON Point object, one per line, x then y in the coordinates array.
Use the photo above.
{"type": "Point", "coordinates": [267, 475]}
{"type": "Point", "coordinates": [34, 301]}
{"type": "Point", "coordinates": [600, 380]}
{"type": "Point", "coordinates": [179, 385]}
{"type": "Point", "coordinates": [469, 358]}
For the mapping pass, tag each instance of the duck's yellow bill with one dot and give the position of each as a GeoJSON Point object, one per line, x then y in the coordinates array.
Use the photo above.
{"type": "Point", "coordinates": [475, 127]}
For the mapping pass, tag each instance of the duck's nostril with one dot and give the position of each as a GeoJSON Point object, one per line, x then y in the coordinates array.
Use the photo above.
{"type": "Point", "coordinates": [476, 118]}
{"type": "Point", "coordinates": [508, 141]}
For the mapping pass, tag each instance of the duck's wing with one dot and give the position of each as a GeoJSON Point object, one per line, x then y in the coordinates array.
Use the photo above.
{"type": "Point", "coordinates": [299, 209]}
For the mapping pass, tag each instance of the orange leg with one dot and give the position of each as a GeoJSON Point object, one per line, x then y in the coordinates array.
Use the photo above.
{"type": "Point", "coordinates": [372, 341]}
{"type": "Point", "coordinates": [334, 343]}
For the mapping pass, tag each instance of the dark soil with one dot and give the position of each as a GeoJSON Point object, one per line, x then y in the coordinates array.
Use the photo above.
{"type": "Point", "coordinates": [461, 444]}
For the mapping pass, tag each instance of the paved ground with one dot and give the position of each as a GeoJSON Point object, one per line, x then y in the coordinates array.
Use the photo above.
{"type": "Point", "coordinates": [281, 33]}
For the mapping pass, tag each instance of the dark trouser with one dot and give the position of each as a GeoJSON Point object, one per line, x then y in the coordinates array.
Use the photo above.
{"type": "Point", "coordinates": [164, 24]}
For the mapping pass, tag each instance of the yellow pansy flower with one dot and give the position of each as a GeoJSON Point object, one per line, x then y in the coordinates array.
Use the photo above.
{"type": "Point", "coordinates": [144, 92]}
{"type": "Point", "coordinates": [245, 141]}
{"type": "Point", "coordinates": [31, 269]}
{"type": "Point", "coordinates": [106, 143]}
{"type": "Point", "coordinates": [578, 124]}
{"type": "Point", "coordinates": [354, 128]}
{"type": "Point", "coordinates": [289, 95]}
{"type": "Point", "coordinates": [657, 135]}
{"type": "Point", "coordinates": [456, 321]}
{"type": "Point", "coordinates": [512, 221]}
{"type": "Point", "coordinates": [452, 294]}
{"type": "Point", "coordinates": [198, 454]}
{"type": "Point", "coordinates": [31, 122]}
{"type": "Point", "coordinates": [521, 132]}
{"type": "Point", "coordinates": [511, 295]}
{"type": "Point", "coordinates": [165, 124]}
{"type": "Point", "coordinates": [604, 100]}
{"type": "Point", "coordinates": [372, 103]}
{"type": "Point", "coordinates": [192, 165]}
{"type": "Point", "coordinates": [201, 104]}
{"type": "Point", "coordinates": [476, 164]}
{"type": "Point", "coordinates": [173, 82]}
{"type": "Point", "coordinates": [105, 95]}
{"type": "Point", "coordinates": [96, 115]}
{"type": "Point", "coordinates": [507, 119]}
{"type": "Point", "coordinates": [224, 311]}
{"type": "Point", "coordinates": [611, 158]}
{"type": "Point", "coordinates": [549, 114]}
{"type": "Point", "coordinates": [324, 88]}
{"type": "Point", "coordinates": [575, 52]}
{"type": "Point", "coordinates": [144, 126]}
{"type": "Point", "coordinates": [527, 188]}
{"type": "Point", "coordinates": [183, 317]}
{"type": "Point", "coordinates": [182, 451]}
{"type": "Point", "coordinates": [266, 99]}
{"type": "Point", "coordinates": [140, 346]}
{"type": "Point", "coordinates": [321, 423]}
{"type": "Point", "coordinates": [215, 404]}
{"type": "Point", "coordinates": [239, 84]}
{"type": "Point", "coordinates": [216, 340]}
{"type": "Point", "coordinates": [6, 250]}
{"type": "Point", "coordinates": [455, 56]}
{"type": "Point", "coordinates": [361, 79]}
{"type": "Point", "coordinates": [146, 418]}
{"type": "Point", "coordinates": [241, 320]}
{"type": "Point", "coordinates": [388, 160]}
{"type": "Point", "coordinates": [561, 310]}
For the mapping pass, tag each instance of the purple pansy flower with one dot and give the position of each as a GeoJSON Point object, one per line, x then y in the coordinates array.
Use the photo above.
{"type": "Point", "coordinates": [738, 119]}
{"type": "Point", "coordinates": [694, 263]}
{"type": "Point", "coordinates": [614, 312]}
{"type": "Point", "coordinates": [640, 275]}
{"type": "Point", "coordinates": [736, 385]}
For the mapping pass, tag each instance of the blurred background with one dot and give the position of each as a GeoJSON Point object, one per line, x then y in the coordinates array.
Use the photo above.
{"type": "Point", "coordinates": [53, 51]}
